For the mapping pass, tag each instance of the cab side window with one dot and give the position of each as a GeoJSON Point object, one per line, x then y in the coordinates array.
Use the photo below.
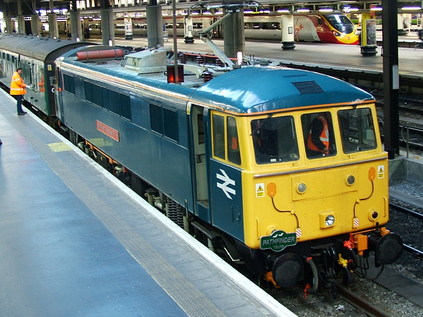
{"type": "Point", "coordinates": [234, 155]}
{"type": "Point", "coordinates": [218, 136]}
{"type": "Point", "coordinates": [225, 139]}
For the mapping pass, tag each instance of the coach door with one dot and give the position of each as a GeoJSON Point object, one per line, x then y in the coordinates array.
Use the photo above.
{"type": "Point", "coordinates": [200, 159]}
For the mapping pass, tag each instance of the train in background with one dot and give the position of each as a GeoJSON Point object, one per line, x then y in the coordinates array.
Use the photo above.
{"type": "Point", "coordinates": [331, 28]}
{"type": "Point", "coordinates": [225, 154]}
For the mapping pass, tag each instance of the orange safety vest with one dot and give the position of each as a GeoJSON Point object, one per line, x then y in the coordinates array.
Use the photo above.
{"type": "Point", "coordinates": [324, 136]}
{"type": "Point", "coordinates": [17, 86]}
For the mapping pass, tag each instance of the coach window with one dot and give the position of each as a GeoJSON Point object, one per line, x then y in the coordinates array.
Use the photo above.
{"type": "Point", "coordinates": [219, 136]}
{"type": "Point", "coordinates": [357, 130]}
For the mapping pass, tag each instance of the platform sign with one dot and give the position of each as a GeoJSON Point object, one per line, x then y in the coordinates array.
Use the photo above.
{"type": "Point", "coordinates": [278, 241]}
{"type": "Point", "coordinates": [128, 28]}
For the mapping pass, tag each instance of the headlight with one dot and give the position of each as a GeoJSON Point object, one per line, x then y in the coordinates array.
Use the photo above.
{"type": "Point", "coordinates": [329, 221]}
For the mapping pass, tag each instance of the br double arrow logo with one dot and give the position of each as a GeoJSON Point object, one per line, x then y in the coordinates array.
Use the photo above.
{"type": "Point", "coordinates": [227, 181]}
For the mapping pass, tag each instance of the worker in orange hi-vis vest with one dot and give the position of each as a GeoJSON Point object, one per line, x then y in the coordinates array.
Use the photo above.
{"type": "Point", "coordinates": [318, 137]}
{"type": "Point", "coordinates": [17, 89]}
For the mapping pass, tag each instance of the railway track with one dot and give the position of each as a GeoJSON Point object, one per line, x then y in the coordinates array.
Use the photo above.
{"type": "Point", "coordinates": [360, 303]}
{"type": "Point", "coordinates": [416, 214]}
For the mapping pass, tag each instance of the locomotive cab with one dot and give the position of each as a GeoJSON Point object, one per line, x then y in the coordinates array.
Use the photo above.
{"type": "Point", "coordinates": [301, 202]}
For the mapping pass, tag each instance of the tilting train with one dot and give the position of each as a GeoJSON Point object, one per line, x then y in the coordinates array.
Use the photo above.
{"type": "Point", "coordinates": [331, 28]}
{"type": "Point", "coordinates": [227, 156]}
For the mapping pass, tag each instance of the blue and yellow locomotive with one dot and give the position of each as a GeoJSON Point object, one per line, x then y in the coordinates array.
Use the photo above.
{"type": "Point", "coordinates": [232, 159]}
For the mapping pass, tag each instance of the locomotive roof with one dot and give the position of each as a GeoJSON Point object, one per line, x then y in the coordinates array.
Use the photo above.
{"type": "Point", "coordinates": [36, 47]}
{"type": "Point", "coordinates": [249, 89]}
{"type": "Point", "coordinates": [263, 89]}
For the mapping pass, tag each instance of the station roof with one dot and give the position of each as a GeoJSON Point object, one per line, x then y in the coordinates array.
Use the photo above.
{"type": "Point", "coordinates": [313, 5]}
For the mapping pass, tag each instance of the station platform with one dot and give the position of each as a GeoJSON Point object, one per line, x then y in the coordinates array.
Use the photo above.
{"type": "Point", "coordinates": [74, 241]}
{"type": "Point", "coordinates": [335, 56]}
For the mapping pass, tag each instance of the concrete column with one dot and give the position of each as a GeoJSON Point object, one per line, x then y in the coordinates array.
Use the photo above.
{"type": "Point", "coordinates": [9, 24]}
{"type": "Point", "coordinates": [287, 28]}
{"type": "Point", "coordinates": [52, 25]}
{"type": "Point", "coordinates": [21, 24]}
{"type": "Point", "coordinates": [35, 25]}
{"type": "Point", "coordinates": [154, 25]}
{"type": "Point", "coordinates": [76, 29]}
{"type": "Point", "coordinates": [21, 18]}
{"type": "Point", "coordinates": [233, 34]}
{"type": "Point", "coordinates": [53, 29]}
{"type": "Point", "coordinates": [107, 29]}
{"type": "Point", "coordinates": [35, 20]}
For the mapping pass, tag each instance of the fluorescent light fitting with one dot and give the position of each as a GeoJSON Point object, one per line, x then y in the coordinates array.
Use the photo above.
{"type": "Point", "coordinates": [413, 8]}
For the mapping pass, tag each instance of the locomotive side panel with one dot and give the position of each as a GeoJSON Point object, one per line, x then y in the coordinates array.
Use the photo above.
{"type": "Point", "coordinates": [136, 132]}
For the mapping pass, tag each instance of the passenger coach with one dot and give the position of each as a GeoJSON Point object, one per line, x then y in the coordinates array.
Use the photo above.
{"type": "Point", "coordinates": [36, 56]}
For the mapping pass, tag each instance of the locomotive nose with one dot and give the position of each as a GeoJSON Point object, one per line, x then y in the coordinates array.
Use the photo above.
{"type": "Point", "coordinates": [387, 248]}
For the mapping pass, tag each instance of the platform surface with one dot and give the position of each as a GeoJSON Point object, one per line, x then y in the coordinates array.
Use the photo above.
{"type": "Point", "coordinates": [76, 242]}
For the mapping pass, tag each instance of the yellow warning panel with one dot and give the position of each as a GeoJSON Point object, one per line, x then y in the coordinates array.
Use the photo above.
{"type": "Point", "coordinates": [260, 190]}
{"type": "Point", "coordinates": [381, 171]}
{"type": "Point", "coordinates": [59, 147]}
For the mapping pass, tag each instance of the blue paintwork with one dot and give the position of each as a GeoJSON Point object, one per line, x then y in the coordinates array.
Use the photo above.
{"type": "Point", "coordinates": [139, 149]}
{"type": "Point", "coordinates": [226, 208]}
{"type": "Point", "coordinates": [260, 89]}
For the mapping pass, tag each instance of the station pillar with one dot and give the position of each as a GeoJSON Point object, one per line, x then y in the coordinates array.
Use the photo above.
{"type": "Point", "coordinates": [9, 24]}
{"type": "Point", "coordinates": [52, 26]}
{"type": "Point", "coordinates": [368, 35]}
{"type": "Point", "coordinates": [154, 24]}
{"type": "Point", "coordinates": [188, 28]}
{"type": "Point", "coordinates": [233, 33]}
{"type": "Point", "coordinates": [21, 24]}
{"type": "Point", "coordinates": [390, 77]}
{"type": "Point", "coordinates": [75, 25]}
{"type": "Point", "coordinates": [35, 25]}
{"type": "Point", "coordinates": [53, 29]}
{"type": "Point", "coordinates": [287, 27]}
{"type": "Point", "coordinates": [20, 18]}
{"type": "Point", "coordinates": [107, 28]}
{"type": "Point", "coordinates": [35, 20]}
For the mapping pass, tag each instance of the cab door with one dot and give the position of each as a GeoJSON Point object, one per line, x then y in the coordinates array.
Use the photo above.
{"type": "Point", "coordinates": [58, 94]}
{"type": "Point", "coordinates": [225, 175]}
{"type": "Point", "coordinates": [201, 182]}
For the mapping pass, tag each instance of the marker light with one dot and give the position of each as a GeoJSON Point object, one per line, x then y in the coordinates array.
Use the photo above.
{"type": "Point", "coordinates": [350, 180]}
{"type": "Point", "coordinates": [301, 188]}
{"type": "Point", "coordinates": [329, 221]}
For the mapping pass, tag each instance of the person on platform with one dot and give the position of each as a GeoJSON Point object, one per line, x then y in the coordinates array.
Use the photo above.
{"type": "Point", "coordinates": [17, 89]}
{"type": "Point", "coordinates": [318, 143]}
